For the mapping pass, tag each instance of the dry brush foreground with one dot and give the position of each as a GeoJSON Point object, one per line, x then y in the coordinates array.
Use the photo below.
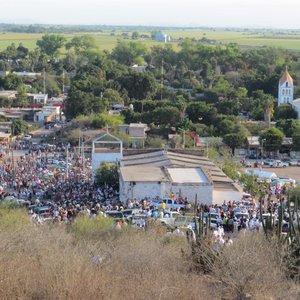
{"type": "Point", "coordinates": [55, 262]}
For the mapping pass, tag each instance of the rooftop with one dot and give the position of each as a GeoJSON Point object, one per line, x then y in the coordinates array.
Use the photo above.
{"type": "Point", "coordinates": [187, 175]}
{"type": "Point", "coordinates": [174, 159]}
{"type": "Point", "coordinates": [286, 77]}
{"type": "Point", "coordinates": [143, 174]}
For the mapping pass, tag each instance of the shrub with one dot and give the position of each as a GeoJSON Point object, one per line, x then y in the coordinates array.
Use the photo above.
{"type": "Point", "coordinates": [91, 228]}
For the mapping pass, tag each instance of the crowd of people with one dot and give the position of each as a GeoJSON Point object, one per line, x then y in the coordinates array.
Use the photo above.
{"type": "Point", "coordinates": [44, 177]}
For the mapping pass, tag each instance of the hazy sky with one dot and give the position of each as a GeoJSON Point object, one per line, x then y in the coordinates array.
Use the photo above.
{"type": "Point", "coordinates": [263, 13]}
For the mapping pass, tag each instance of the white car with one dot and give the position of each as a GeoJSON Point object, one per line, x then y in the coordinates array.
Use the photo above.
{"type": "Point", "coordinates": [27, 137]}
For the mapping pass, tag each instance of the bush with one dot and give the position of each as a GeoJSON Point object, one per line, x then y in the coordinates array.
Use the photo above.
{"type": "Point", "coordinates": [92, 228]}
{"type": "Point", "coordinates": [103, 120]}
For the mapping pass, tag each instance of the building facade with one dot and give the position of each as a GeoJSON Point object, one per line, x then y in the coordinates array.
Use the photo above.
{"type": "Point", "coordinates": [285, 89]}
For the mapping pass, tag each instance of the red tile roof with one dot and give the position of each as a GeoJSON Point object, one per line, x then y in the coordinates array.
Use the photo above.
{"type": "Point", "coordinates": [286, 77]}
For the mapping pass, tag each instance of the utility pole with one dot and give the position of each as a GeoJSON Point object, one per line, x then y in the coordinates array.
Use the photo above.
{"type": "Point", "coordinates": [67, 169]}
{"type": "Point", "coordinates": [63, 82]}
{"type": "Point", "coordinates": [12, 152]}
{"type": "Point", "coordinates": [83, 155]}
{"type": "Point", "coordinates": [44, 82]}
{"type": "Point", "coordinates": [162, 78]}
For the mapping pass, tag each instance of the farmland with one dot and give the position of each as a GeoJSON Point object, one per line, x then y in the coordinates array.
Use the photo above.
{"type": "Point", "coordinates": [106, 40]}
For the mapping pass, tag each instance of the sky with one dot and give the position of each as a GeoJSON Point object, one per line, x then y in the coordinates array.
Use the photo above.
{"type": "Point", "coordinates": [214, 13]}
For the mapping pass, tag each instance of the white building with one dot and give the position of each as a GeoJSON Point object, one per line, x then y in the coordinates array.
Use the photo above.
{"type": "Point", "coordinates": [106, 148]}
{"type": "Point", "coordinates": [47, 114]}
{"type": "Point", "coordinates": [162, 37]}
{"type": "Point", "coordinates": [159, 173]}
{"type": "Point", "coordinates": [285, 89]}
{"type": "Point", "coordinates": [296, 106]}
{"type": "Point", "coordinates": [38, 98]}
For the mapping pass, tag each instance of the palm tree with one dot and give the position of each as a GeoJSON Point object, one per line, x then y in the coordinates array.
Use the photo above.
{"type": "Point", "coordinates": [268, 106]}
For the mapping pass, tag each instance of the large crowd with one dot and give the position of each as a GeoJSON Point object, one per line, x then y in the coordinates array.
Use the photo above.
{"type": "Point", "coordinates": [44, 177]}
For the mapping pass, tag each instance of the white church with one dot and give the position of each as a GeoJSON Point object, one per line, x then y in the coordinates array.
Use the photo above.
{"type": "Point", "coordinates": [286, 92]}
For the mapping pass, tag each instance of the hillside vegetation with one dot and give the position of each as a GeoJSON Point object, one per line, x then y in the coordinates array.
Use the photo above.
{"type": "Point", "coordinates": [74, 262]}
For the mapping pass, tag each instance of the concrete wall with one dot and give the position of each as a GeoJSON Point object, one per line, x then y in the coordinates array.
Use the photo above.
{"type": "Point", "coordinates": [220, 195]}
{"type": "Point", "coordinates": [204, 192]}
{"type": "Point", "coordinates": [141, 190]}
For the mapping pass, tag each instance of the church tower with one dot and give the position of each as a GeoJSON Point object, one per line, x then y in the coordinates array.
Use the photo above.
{"type": "Point", "coordinates": [285, 88]}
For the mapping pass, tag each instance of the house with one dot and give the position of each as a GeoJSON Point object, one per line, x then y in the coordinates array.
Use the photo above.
{"type": "Point", "coordinates": [138, 68]}
{"type": "Point", "coordinates": [37, 99]}
{"type": "Point", "coordinates": [162, 37]}
{"type": "Point", "coordinates": [160, 172]}
{"type": "Point", "coordinates": [136, 131]}
{"type": "Point", "coordinates": [47, 114]}
{"type": "Point", "coordinates": [29, 74]}
{"type": "Point", "coordinates": [256, 149]}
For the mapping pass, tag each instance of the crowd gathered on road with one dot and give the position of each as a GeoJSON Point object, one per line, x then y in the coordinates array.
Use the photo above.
{"type": "Point", "coordinates": [58, 187]}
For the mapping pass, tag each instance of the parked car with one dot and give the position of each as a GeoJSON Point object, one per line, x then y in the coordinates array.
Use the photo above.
{"type": "Point", "coordinates": [169, 204]}
{"type": "Point", "coordinates": [116, 215]}
{"type": "Point", "coordinates": [169, 218]}
{"type": "Point", "coordinates": [27, 137]}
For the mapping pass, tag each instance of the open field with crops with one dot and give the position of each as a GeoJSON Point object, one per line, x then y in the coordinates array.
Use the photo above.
{"type": "Point", "coordinates": [107, 40]}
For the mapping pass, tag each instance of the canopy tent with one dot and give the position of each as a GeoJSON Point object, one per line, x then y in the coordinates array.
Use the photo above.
{"type": "Point", "coordinates": [261, 174]}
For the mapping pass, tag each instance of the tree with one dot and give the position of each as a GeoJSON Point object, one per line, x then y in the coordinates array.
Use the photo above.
{"type": "Point", "coordinates": [112, 96]}
{"type": "Point", "coordinates": [107, 175]}
{"type": "Point", "coordinates": [11, 82]}
{"type": "Point", "coordinates": [138, 85]}
{"type": "Point", "coordinates": [135, 35]}
{"type": "Point", "coordinates": [50, 43]}
{"type": "Point", "coordinates": [234, 140]}
{"type": "Point", "coordinates": [296, 142]}
{"type": "Point", "coordinates": [85, 94]}
{"type": "Point", "coordinates": [285, 111]}
{"type": "Point", "coordinates": [21, 98]}
{"type": "Point", "coordinates": [81, 43]}
{"type": "Point", "coordinates": [126, 53]}
{"type": "Point", "coordinates": [271, 139]}
{"type": "Point", "coordinates": [267, 103]}
{"type": "Point", "coordinates": [19, 127]}
{"type": "Point", "coordinates": [202, 111]}
{"type": "Point", "coordinates": [289, 126]}
{"type": "Point", "coordinates": [167, 115]}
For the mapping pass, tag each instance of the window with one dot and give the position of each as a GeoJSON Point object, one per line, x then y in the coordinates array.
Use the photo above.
{"type": "Point", "coordinates": [282, 92]}
{"type": "Point", "coordinates": [286, 84]}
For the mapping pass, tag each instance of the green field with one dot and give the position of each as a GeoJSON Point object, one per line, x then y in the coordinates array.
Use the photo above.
{"type": "Point", "coordinates": [106, 41]}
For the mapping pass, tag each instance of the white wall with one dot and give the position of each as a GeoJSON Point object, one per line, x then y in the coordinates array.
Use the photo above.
{"type": "Point", "coordinates": [219, 196]}
{"type": "Point", "coordinates": [204, 192]}
{"type": "Point", "coordinates": [142, 190]}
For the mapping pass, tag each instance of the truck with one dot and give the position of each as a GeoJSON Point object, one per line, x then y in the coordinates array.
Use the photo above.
{"type": "Point", "coordinates": [170, 204]}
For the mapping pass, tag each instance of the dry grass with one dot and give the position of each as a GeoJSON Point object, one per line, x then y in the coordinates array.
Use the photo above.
{"type": "Point", "coordinates": [46, 262]}
{"type": "Point", "coordinates": [50, 262]}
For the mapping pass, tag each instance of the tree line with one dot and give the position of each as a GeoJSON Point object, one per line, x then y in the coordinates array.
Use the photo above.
{"type": "Point", "coordinates": [207, 89]}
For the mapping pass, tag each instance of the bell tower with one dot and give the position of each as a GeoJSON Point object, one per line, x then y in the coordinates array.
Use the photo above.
{"type": "Point", "coordinates": [285, 88]}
